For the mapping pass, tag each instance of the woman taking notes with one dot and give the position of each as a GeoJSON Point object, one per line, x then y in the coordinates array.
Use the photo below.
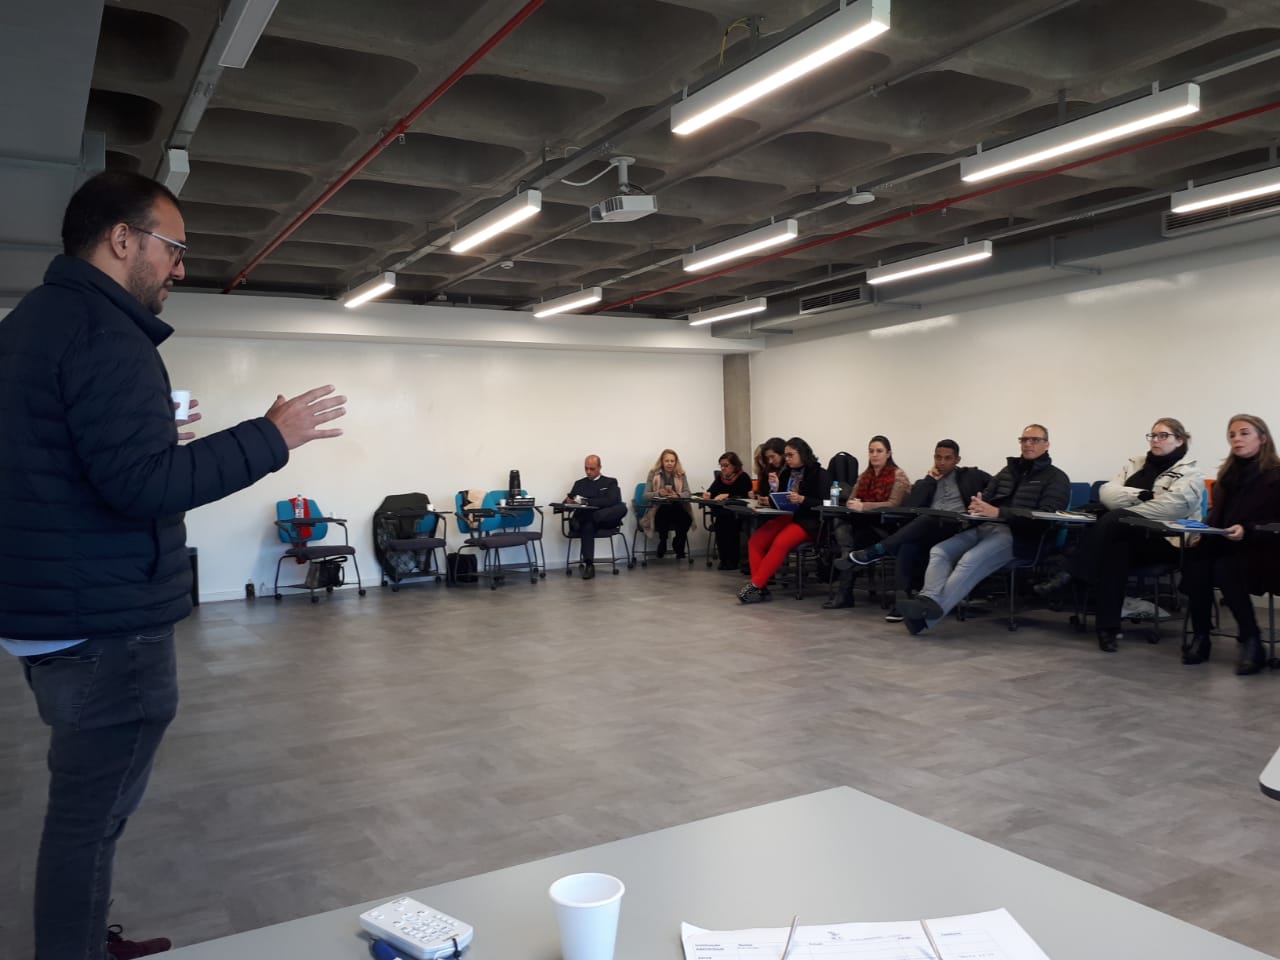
{"type": "Point", "coordinates": [731, 481]}
{"type": "Point", "coordinates": [667, 479]}
{"type": "Point", "coordinates": [1241, 561]}
{"type": "Point", "coordinates": [804, 483]}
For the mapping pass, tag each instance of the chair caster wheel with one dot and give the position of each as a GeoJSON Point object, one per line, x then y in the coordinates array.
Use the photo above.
{"type": "Point", "coordinates": [395, 588]}
{"type": "Point", "coordinates": [362, 591]}
{"type": "Point", "coordinates": [315, 599]}
{"type": "Point", "coordinates": [533, 579]}
{"type": "Point", "coordinates": [568, 573]}
{"type": "Point", "coordinates": [615, 571]}
{"type": "Point", "coordinates": [644, 563]}
{"type": "Point", "coordinates": [279, 596]}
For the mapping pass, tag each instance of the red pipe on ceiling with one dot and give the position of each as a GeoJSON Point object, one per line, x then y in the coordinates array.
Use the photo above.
{"type": "Point", "coordinates": [944, 204]}
{"type": "Point", "coordinates": [391, 137]}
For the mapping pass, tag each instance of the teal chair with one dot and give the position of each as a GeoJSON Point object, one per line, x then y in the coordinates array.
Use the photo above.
{"type": "Point", "coordinates": [325, 562]}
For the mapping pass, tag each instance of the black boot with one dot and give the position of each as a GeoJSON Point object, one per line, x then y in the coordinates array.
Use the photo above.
{"type": "Point", "coordinates": [1196, 650]}
{"type": "Point", "coordinates": [1252, 657]}
{"type": "Point", "coordinates": [844, 598]}
{"type": "Point", "coordinates": [680, 544]}
{"type": "Point", "coordinates": [1107, 639]}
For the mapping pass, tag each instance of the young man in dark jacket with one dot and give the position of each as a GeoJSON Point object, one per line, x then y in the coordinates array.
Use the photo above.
{"type": "Point", "coordinates": [961, 562]}
{"type": "Point", "coordinates": [93, 564]}
{"type": "Point", "coordinates": [948, 486]}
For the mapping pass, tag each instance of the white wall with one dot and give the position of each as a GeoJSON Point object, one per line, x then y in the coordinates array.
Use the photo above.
{"type": "Point", "coordinates": [437, 419]}
{"type": "Point", "coordinates": [1095, 360]}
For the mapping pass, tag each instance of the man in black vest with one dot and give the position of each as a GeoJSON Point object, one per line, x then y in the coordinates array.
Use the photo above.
{"type": "Point", "coordinates": [601, 492]}
{"type": "Point", "coordinates": [93, 562]}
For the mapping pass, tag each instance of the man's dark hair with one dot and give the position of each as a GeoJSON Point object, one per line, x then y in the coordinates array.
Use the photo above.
{"type": "Point", "coordinates": [950, 445]}
{"type": "Point", "coordinates": [111, 197]}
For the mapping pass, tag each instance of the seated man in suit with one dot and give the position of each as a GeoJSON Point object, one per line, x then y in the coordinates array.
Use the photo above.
{"type": "Point", "coordinates": [960, 563]}
{"type": "Point", "coordinates": [595, 490]}
{"type": "Point", "coordinates": [948, 486]}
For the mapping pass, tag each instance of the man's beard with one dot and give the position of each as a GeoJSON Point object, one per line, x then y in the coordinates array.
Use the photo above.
{"type": "Point", "coordinates": [145, 290]}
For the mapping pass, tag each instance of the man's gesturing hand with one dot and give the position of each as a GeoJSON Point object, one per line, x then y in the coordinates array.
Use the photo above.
{"type": "Point", "coordinates": [299, 418]}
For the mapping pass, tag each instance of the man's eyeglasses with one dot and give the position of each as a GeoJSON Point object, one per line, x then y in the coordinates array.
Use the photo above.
{"type": "Point", "coordinates": [1033, 439]}
{"type": "Point", "coordinates": [177, 250]}
{"type": "Point", "coordinates": [1159, 436]}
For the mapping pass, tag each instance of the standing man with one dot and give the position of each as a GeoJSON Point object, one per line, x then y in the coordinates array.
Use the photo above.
{"type": "Point", "coordinates": [948, 486]}
{"type": "Point", "coordinates": [960, 563]}
{"type": "Point", "coordinates": [601, 492]}
{"type": "Point", "coordinates": [93, 563]}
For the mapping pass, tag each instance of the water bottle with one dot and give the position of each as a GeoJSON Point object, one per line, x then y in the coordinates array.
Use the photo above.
{"type": "Point", "coordinates": [299, 507]}
{"type": "Point", "coordinates": [835, 493]}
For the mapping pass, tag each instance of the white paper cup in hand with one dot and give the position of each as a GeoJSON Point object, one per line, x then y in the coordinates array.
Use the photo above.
{"type": "Point", "coordinates": [183, 399]}
{"type": "Point", "coordinates": [587, 907]}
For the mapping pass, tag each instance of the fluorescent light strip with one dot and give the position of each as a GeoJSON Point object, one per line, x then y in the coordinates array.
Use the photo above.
{"type": "Point", "coordinates": [1112, 124]}
{"type": "Point", "coordinates": [821, 43]}
{"type": "Point", "coordinates": [1226, 191]}
{"type": "Point", "coordinates": [725, 313]}
{"type": "Point", "coordinates": [376, 287]}
{"type": "Point", "coordinates": [942, 260]}
{"type": "Point", "coordinates": [740, 246]}
{"type": "Point", "coordinates": [500, 218]}
{"type": "Point", "coordinates": [571, 301]}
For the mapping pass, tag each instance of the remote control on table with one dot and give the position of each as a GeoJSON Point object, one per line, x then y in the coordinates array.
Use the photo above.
{"type": "Point", "coordinates": [417, 930]}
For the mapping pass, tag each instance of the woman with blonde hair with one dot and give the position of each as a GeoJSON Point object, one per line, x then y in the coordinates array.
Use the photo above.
{"type": "Point", "coordinates": [1240, 561]}
{"type": "Point", "coordinates": [667, 479]}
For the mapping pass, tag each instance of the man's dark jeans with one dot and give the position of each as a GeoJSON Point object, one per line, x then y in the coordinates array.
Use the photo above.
{"type": "Point", "coordinates": [107, 702]}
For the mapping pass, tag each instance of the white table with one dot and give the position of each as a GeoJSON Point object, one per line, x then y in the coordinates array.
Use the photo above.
{"type": "Point", "coordinates": [1269, 779]}
{"type": "Point", "coordinates": [838, 855]}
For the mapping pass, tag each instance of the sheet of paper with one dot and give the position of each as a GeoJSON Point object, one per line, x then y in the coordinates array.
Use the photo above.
{"type": "Point", "coordinates": [993, 935]}
{"type": "Point", "coordinates": [837, 941]}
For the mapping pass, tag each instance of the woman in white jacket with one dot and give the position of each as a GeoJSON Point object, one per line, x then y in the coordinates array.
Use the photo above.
{"type": "Point", "coordinates": [1163, 484]}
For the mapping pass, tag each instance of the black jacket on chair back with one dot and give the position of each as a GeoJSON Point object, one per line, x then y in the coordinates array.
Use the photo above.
{"type": "Point", "coordinates": [93, 483]}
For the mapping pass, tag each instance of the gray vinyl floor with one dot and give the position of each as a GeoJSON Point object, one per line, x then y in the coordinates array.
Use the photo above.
{"type": "Point", "coordinates": [327, 754]}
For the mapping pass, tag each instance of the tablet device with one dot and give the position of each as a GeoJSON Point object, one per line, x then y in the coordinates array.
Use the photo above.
{"type": "Point", "coordinates": [782, 502]}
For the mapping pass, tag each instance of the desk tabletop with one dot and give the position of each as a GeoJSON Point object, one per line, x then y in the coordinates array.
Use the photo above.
{"type": "Point", "coordinates": [837, 855]}
{"type": "Point", "coordinates": [1269, 780]}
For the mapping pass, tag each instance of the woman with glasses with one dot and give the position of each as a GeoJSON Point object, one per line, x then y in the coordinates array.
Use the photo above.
{"type": "Point", "coordinates": [1162, 484]}
{"type": "Point", "coordinates": [805, 484]}
{"type": "Point", "coordinates": [1243, 560]}
{"type": "Point", "coordinates": [731, 481]}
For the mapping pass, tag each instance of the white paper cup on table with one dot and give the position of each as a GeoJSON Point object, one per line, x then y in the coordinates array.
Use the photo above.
{"type": "Point", "coordinates": [183, 399]}
{"type": "Point", "coordinates": [587, 907]}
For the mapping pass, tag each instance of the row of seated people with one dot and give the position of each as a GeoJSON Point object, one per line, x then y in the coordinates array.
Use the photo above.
{"type": "Point", "coordinates": [1164, 483]}
{"type": "Point", "coordinates": [666, 479]}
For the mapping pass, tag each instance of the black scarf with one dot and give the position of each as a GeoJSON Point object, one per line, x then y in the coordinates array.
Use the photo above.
{"type": "Point", "coordinates": [1145, 478]}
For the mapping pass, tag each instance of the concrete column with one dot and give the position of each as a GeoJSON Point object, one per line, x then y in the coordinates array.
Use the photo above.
{"type": "Point", "coordinates": [737, 406]}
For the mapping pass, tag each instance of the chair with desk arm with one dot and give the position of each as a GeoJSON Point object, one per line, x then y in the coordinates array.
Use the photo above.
{"type": "Point", "coordinates": [300, 523]}
{"type": "Point", "coordinates": [487, 525]}
{"type": "Point", "coordinates": [409, 539]}
{"type": "Point", "coordinates": [570, 531]}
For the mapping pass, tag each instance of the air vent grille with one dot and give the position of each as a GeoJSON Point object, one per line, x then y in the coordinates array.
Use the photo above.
{"type": "Point", "coordinates": [822, 302]}
{"type": "Point", "coordinates": [1176, 224]}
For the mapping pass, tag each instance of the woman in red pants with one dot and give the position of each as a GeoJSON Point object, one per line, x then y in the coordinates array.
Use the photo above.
{"type": "Point", "coordinates": [805, 483]}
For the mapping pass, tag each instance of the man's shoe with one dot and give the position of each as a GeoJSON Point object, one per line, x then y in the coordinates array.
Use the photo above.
{"type": "Point", "coordinates": [588, 571]}
{"type": "Point", "coordinates": [914, 625]}
{"type": "Point", "coordinates": [1196, 650]}
{"type": "Point", "coordinates": [119, 948]}
{"type": "Point", "coordinates": [1107, 639]}
{"type": "Point", "coordinates": [894, 616]}
{"type": "Point", "coordinates": [920, 608]}
{"type": "Point", "coordinates": [1252, 657]}
{"type": "Point", "coordinates": [861, 558]}
{"type": "Point", "coordinates": [1053, 588]}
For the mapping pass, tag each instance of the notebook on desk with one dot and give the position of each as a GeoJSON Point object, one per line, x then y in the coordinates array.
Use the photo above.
{"type": "Point", "coordinates": [783, 501]}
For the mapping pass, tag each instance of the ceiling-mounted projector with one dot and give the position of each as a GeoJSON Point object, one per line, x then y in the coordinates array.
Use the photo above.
{"type": "Point", "coordinates": [626, 205]}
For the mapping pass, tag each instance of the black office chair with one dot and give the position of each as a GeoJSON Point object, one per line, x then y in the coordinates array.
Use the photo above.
{"type": "Point", "coordinates": [570, 532]}
{"type": "Point", "coordinates": [409, 539]}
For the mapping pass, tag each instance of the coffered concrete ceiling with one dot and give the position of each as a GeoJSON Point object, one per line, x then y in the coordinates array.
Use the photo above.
{"type": "Point", "coordinates": [583, 80]}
